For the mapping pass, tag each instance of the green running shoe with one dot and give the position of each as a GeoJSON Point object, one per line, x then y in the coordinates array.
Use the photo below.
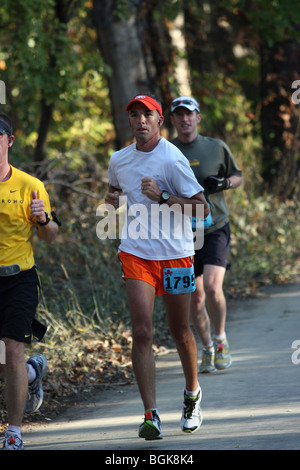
{"type": "Point", "coordinates": [150, 429]}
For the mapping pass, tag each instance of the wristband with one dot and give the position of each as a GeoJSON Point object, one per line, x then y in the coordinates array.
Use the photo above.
{"type": "Point", "coordinates": [42, 224]}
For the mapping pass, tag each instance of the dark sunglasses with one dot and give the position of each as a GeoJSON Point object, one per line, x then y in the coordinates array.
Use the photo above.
{"type": "Point", "coordinates": [179, 102]}
{"type": "Point", "coordinates": [190, 102]}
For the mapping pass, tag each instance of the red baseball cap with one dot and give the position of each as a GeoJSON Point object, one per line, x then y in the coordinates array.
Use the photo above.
{"type": "Point", "coordinates": [149, 102]}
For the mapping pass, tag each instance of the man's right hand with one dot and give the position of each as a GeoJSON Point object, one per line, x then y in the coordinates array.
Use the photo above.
{"type": "Point", "coordinates": [112, 199]}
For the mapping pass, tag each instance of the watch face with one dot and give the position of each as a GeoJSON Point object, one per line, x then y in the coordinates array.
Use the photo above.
{"type": "Point", "coordinates": [165, 195]}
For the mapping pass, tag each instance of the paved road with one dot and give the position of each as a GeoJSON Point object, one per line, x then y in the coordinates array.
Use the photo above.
{"type": "Point", "coordinates": [254, 405]}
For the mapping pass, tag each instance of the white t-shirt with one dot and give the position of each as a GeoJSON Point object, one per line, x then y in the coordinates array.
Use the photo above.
{"type": "Point", "coordinates": [152, 231]}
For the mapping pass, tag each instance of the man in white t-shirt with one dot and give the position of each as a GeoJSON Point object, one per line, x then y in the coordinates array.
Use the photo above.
{"type": "Point", "coordinates": [156, 251]}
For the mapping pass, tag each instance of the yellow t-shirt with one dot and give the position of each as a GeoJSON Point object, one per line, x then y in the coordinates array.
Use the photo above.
{"type": "Point", "coordinates": [15, 222]}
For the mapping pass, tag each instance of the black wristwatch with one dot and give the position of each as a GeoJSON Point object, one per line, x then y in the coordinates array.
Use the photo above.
{"type": "Point", "coordinates": [42, 224]}
{"type": "Point", "coordinates": [164, 197]}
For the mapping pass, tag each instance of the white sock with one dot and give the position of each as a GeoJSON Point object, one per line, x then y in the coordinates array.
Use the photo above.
{"type": "Point", "coordinates": [194, 393]}
{"type": "Point", "coordinates": [220, 337]}
{"type": "Point", "coordinates": [14, 429]}
{"type": "Point", "coordinates": [31, 373]}
{"type": "Point", "coordinates": [209, 346]}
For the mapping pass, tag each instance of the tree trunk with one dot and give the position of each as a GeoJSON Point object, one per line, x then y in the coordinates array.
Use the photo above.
{"type": "Point", "coordinates": [44, 126]}
{"type": "Point", "coordinates": [209, 39]}
{"type": "Point", "coordinates": [133, 44]}
{"type": "Point", "coordinates": [63, 11]}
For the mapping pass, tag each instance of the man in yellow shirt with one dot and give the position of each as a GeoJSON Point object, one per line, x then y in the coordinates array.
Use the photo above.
{"type": "Point", "coordinates": [24, 204]}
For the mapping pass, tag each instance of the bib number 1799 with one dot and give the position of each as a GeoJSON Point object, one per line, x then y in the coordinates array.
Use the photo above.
{"type": "Point", "coordinates": [179, 280]}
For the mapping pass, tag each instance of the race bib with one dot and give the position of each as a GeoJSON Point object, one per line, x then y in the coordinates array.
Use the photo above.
{"type": "Point", "coordinates": [179, 280]}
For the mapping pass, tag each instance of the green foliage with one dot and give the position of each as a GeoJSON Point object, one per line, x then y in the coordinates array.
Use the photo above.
{"type": "Point", "coordinates": [122, 9]}
{"type": "Point", "coordinates": [171, 8]}
{"type": "Point", "coordinates": [228, 115]}
{"type": "Point", "coordinates": [37, 50]}
{"type": "Point", "coordinates": [43, 57]}
{"type": "Point", "coordinates": [265, 242]}
{"type": "Point", "coordinates": [273, 21]}
{"type": "Point", "coordinates": [84, 124]}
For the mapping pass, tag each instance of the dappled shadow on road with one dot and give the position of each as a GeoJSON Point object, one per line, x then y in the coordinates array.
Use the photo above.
{"type": "Point", "coordinates": [259, 432]}
{"type": "Point", "coordinates": [236, 415]}
{"type": "Point", "coordinates": [253, 405]}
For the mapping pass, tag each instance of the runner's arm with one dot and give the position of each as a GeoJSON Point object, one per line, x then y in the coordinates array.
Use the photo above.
{"type": "Point", "coordinates": [48, 233]}
{"type": "Point", "coordinates": [112, 197]}
{"type": "Point", "coordinates": [150, 188]}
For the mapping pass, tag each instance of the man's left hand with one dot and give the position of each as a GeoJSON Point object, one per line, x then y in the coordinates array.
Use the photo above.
{"type": "Point", "coordinates": [37, 207]}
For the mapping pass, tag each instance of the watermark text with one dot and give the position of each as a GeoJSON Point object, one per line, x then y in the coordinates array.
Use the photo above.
{"type": "Point", "coordinates": [139, 221]}
{"type": "Point", "coordinates": [296, 94]}
{"type": "Point", "coordinates": [2, 353]}
{"type": "Point", "coordinates": [296, 353]}
{"type": "Point", "coordinates": [2, 92]}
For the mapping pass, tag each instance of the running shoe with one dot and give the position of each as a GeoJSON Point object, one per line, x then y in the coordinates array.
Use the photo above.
{"type": "Point", "coordinates": [191, 418]}
{"type": "Point", "coordinates": [208, 361]}
{"type": "Point", "coordinates": [223, 359]}
{"type": "Point", "coordinates": [35, 394]}
{"type": "Point", "coordinates": [150, 429]}
{"type": "Point", "coordinates": [12, 441]}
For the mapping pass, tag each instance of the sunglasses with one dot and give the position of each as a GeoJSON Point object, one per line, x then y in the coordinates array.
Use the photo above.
{"type": "Point", "coordinates": [183, 102]}
{"type": "Point", "coordinates": [179, 102]}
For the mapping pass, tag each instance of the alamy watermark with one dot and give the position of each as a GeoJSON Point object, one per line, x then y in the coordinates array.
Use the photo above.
{"type": "Point", "coordinates": [162, 222]}
{"type": "Point", "coordinates": [295, 95]}
{"type": "Point", "coordinates": [296, 353]}
{"type": "Point", "coordinates": [2, 353]}
{"type": "Point", "coordinates": [2, 92]}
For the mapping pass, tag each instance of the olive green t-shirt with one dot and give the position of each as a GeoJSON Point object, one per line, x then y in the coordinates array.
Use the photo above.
{"type": "Point", "coordinates": [210, 157]}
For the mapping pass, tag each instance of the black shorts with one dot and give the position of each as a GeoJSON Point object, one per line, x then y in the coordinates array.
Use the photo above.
{"type": "Point", "coordinates": [215, 250]}
{"type": "Point", "coordinates": [19, 296]}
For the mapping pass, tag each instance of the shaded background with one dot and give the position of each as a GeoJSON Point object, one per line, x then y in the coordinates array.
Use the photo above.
{"type": "Point", "coordinates": [70, 67]}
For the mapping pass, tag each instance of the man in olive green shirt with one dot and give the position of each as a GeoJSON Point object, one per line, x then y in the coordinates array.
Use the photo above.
{"type": "Point", "coordinates": [216, 170]}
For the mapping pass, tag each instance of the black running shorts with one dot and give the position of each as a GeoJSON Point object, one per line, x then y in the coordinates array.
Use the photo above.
{"type": "Point", "coordinates": [19, 296]}
{"type": "Point", "coordinates": [215, 250]}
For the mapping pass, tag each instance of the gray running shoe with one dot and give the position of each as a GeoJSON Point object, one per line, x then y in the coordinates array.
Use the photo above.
{"type": "Point", "coordinates": [35, 394]}
{"type": "Point", "coordinates": [208, 361]}
{"type": "Point", "coordinates": [12, 441]}
{"type": "Point", "coordinates": [223, 359]}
